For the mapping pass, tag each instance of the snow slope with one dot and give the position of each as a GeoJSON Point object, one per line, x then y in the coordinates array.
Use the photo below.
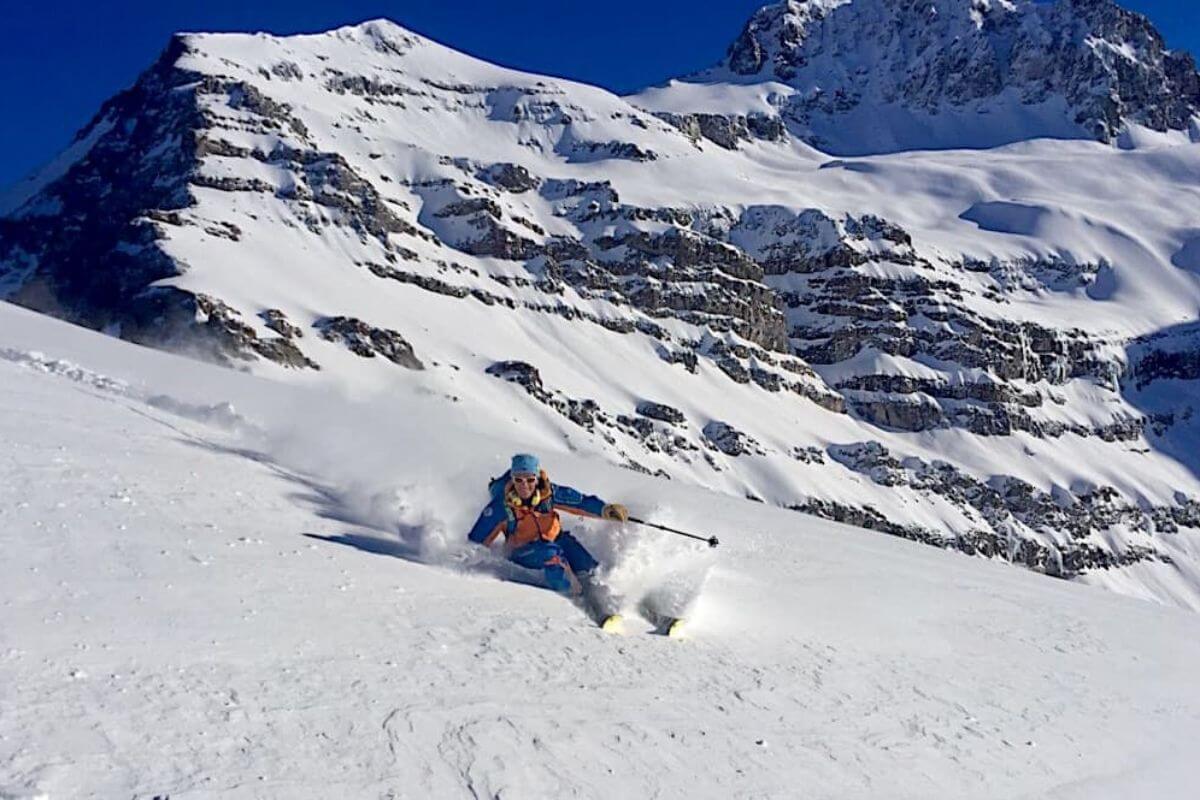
{"type": "Point", "coordinates": [220, 585]}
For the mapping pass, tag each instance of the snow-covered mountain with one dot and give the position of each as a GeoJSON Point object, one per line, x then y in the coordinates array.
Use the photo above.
{"type": "Point", "coordinates": [989, 350]}
{"type": "Point", "coordinates": [868, 76]}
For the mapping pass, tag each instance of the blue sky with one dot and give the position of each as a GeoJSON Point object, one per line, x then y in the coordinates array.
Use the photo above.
{"type": "Point", "coordinates": [60, 59]}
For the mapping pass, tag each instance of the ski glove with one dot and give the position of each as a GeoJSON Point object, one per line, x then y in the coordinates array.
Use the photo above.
{"type": "Point", "coordinates": [616, 512]}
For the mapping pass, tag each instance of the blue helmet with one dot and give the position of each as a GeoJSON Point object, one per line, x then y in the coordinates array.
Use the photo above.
{"type": "Point", "coordinates": [525, 463]}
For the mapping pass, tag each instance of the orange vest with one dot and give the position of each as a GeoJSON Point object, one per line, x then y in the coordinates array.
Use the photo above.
{"type": "Point", "coordinates": [535, 518]}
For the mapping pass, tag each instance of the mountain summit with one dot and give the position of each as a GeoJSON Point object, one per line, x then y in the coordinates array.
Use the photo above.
{"type": "Point", "coordinates": [880, 75]}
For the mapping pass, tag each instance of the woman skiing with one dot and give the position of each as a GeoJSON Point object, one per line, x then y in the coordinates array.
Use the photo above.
{"type": "Point", "coordinates": [524, 508]}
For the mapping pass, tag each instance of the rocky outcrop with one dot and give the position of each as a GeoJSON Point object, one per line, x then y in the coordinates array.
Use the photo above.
{"type": "Point", "coordinates": [1061, 533]}
{"type": "Point", "coordinates": [368, 341]}
{"type": "Point", "coordinates": [856, 285]}
{"type": "Point", "coordinates": [596, 151]}
{"type": "Point", "coordinates": [695, 277]}
{"type": "Point", "coordinates": [484, 232]}
{"type": "Point", "coordinates": [727, 130]}
{"type": "Point", "coordinates": [277, 321]}
{"type": "Point", "coordinates": [730, 441]}
{"type": "Point", "coordinates": [1173, 354]}
{"type": "Point", "coordinates": [674, 272]}
{"type": "Point", "coordinates": [661, 412]}
{"type": "Point", "coordinates": [523, 374]}
{"type": "Point", "coordinates": [621, 431]}
{"type": "Point", "coordinates": [510, 177]}
{"type": "Point", "coordinates": [205, 326]}
{"type": "Point", "coordinates": [326, 180]}
{"type": "Point", "coordinates": [1035, 274]}
{"type": "Point", "coordinates": [94, 251]}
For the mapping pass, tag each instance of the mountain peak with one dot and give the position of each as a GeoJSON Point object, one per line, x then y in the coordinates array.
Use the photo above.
{"type": "Point", "coordinates": [380, 34]}
{"type": "Point", "coordinates": [773, 33]}
{"type": "Point", "coordinates": [379, 28]}
{"type": "Point", "coordinates": [884, 75]}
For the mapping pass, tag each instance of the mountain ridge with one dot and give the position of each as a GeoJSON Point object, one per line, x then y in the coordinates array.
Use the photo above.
{"type": "Point", "coordinates": [871, 76]}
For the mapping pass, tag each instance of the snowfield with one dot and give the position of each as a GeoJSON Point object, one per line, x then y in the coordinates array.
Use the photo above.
{"type": "Point", "coordinates": [222, 585]}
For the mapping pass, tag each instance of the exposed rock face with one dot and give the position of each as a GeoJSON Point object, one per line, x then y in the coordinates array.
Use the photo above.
{"type": "Point", "coordinates": [511, 177]}
{"type": "Point", "coordinates": [522, 374]}
{"type": "Point", "coordinates": [95, 249]}
{"type": "Point", "coordinates": [727, 131]}
{"type": "Point", "coordinates": [856, 286]}
{"type": "Point", "coordinates": [590, 151]}
{"type": "Point", "coordinates": [676, 271]}
{"type": "Point", "coordinates": [685, 271]}
{"type": "Point", "coordinates": [729, 440]}
{"type": "Point", "coordinates": [328, 182]}
{"type": "Point", "coordinates": [138, 181]}
{"type": "Point", "coordinates": [368, 341]}
{"type": "Point", "coordinates": [661, 412]}
{"type": "Point", "coordinates": [214, 324]}
{"type": "Point", "coordinates": [277, 321]}
{"type": "Point", "coordinates": [632, 437]}
{"type": "Point", "coordinates": [1107, 66]}
{"type": "Point", "coordinates": [488, 236]}
{"type": "Point", "coordinates": [1170, 355]}
{"type": "Point", "coordinates": [1007, 509]}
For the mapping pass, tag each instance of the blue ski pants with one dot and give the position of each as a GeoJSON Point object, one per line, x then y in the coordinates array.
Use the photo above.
{"type": "Point", "coordinates": [553, 558]}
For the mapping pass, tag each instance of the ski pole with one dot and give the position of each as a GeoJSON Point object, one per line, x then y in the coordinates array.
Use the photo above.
{"type": "Point", "coordinates": [712, 540]}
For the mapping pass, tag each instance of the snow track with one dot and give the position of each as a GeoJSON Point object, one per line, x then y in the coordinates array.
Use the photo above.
{"type": "Point", "coordinates": [198, 611]}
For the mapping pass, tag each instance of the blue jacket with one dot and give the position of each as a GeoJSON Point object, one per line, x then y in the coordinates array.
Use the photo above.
{"type": "Point", "coordinates": [523, 523]}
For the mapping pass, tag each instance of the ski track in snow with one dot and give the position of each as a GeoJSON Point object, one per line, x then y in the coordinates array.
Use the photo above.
{"type": "Point", "coordinates": [184, 615]}
{"type": "Point", "coordinates": [220, 415]}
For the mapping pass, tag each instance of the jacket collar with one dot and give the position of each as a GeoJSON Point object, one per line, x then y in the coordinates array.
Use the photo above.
{"type": "Point", "coordinates": [541, 495]}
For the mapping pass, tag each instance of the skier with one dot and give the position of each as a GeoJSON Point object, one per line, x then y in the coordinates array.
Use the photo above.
{"type": "Point", "coordinates": [524, 507]}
